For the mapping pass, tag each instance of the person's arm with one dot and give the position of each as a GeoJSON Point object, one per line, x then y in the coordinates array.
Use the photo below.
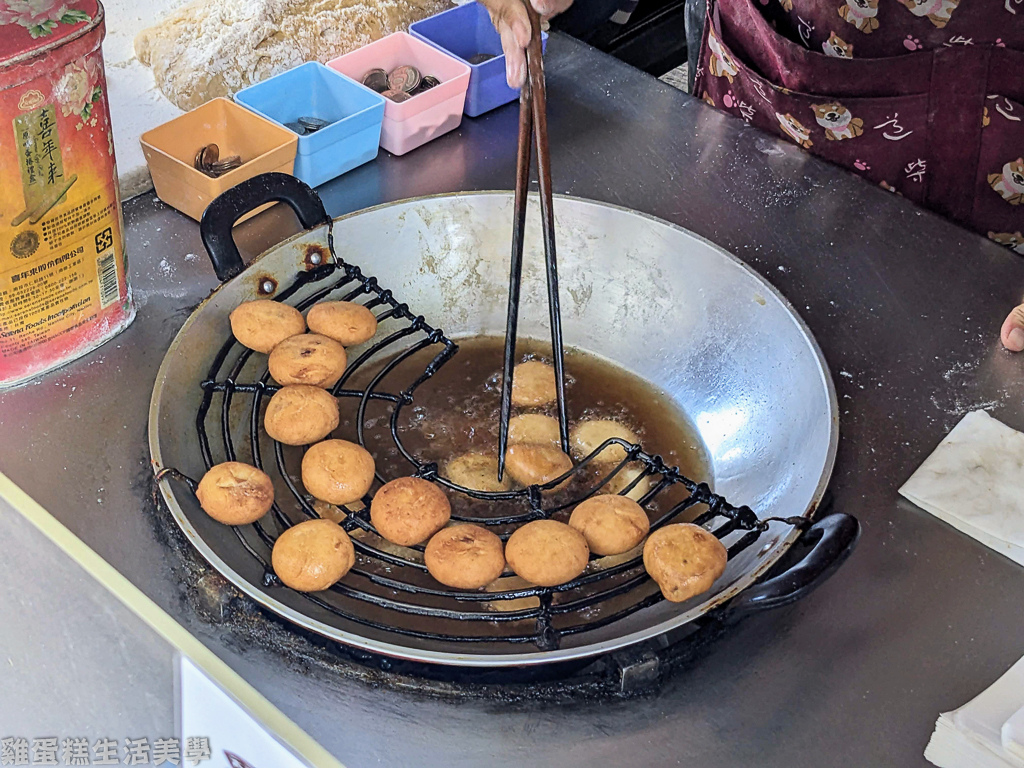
{"type": "Point", "coordinates": [510, 19]}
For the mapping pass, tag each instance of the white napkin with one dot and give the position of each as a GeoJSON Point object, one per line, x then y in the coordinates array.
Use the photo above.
{"type": "Point", "coordinates": [974, 481]}
{"type": "Point", "coordinates": [983, 733]}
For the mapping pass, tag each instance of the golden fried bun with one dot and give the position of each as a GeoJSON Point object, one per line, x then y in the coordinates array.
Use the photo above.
{"type": "Point", "coordinates": [464, 556]}
{"type": "Point", "coordinates": [478, 472]}
{"type": "Point", "coordinates": [301, 415]}
{"type": "Point", "coordinates": [308, 359]}
{"type": "Point", "coordinates": [409, 510]}
{"type": "Point", "coordinates": [684, 560]}
{"type": "Point", "coordinates": [536, 464]}
{"type": "Point", "coordinates": [263, 324]}
{"type": "Point", "coordinates": [623, 478]}
{"type": "Point", "coordinates": [337, 471]}
{"type": "Point", "coordinates": [533, 384]}
{"type": "Point", "coordinates": [234, 493]}
{"type": "Point", "coordinates": [610, 524]}
{"type": "Point", "coordinates": [547, 553]}
{"type": "Point", "coordinates": [346, 322]}
{"type": "Point", "coordinates": [312, 555]}
{"type": "Point", "coordinates": [533, 429]}
{"type": "Point", "coordinates": [588, 435]}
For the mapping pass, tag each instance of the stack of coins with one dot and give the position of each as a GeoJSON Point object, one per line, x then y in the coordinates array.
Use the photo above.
{"type": "Point", "coordinates": [208, 161]}
{"type": "Point", "coordinates": [401, 83]}
{"type": "Point", "coordinates": [480, 58]}
{"type": "Point", "coordinates": [307, 125]}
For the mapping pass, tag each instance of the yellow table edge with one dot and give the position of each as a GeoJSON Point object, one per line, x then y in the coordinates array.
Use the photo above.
{"type": "Point", "coordinates": [293, 737]}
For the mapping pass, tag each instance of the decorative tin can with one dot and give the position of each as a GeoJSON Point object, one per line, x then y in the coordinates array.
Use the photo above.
{"type": "Point", "coordinates": [63, 275]}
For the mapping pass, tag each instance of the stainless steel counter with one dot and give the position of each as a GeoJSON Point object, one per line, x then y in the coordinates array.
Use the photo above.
{"type": "Point", "coordinates": [906, 308]}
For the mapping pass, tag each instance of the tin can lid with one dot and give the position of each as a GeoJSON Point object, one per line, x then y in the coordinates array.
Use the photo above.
{"type": "Point", "coordinates": [30, 28]}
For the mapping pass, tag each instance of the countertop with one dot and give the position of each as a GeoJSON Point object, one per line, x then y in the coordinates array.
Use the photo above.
{"type": "Point", "coordinates": [907, 309]}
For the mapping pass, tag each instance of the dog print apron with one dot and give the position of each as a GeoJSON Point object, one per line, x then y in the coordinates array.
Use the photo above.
{"type": "Point", "coordinates": [923, 97]}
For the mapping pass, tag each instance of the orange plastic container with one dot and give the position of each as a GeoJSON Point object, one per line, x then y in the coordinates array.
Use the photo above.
{"type": "Point", "coordinates": [171, 148]}
{"type": "Point", "coordinates": [63, 279]}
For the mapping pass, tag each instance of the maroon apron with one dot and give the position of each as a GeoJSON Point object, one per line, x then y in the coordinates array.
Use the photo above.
{"type": "Point", "coordinates": [923, 97]}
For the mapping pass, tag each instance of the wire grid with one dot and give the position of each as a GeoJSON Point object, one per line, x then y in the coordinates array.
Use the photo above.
{"type": "Point", "coordinates": [389, 590]}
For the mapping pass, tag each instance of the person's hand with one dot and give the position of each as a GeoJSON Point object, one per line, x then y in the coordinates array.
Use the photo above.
{"type": "Point", "coordinates": [510, 19]}
{"type": "Point", "coordinates": [1012, 333]}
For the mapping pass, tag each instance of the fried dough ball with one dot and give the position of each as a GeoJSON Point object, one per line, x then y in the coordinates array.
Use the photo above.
{"type": "Point", "coordinates": [547, 553]}
{"type": "Point", "coordinates": [409, 510]}
{"type": "Point", "coordinates": [312, 555]}
{"type": "Point", "coordinates": [301, 415]}
{"type": "Point", "coordinates": [684, 560]}
{"type": "Point", "coordinates": [622, 478]}
{"type": "Point", "coordinates": [263, 324]}
{"type": "Point", "coordinates": [464, 556]}
{"type": "Point", "coordinates": [478, 472]}
{"type": "Point", "coordinates": [346, 322]}
{"type": "Point", "coordinates": [588, 435]}
{"type": "Point", "coordinates": [308, 359]}
{"type": "Point", "coordinates": [536, 464]}
{"type": "Point", "coordinates": [610, 524]}
{"type": "Point", "coordinates": [533, 384]}
{"type": "Point", "coordinates": [337, 471]}
{"type": "Point", "coordinates": [234, 493]}
{"type": "Point", "coordinates": [533, 429]}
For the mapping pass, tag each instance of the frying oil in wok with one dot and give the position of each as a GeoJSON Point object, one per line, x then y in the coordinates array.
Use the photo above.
{"type": "Point", "coordinates": [456, 411]}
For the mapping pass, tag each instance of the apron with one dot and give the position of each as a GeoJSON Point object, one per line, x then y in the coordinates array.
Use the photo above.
{"type": "Point", "coordinates": [923, 97]}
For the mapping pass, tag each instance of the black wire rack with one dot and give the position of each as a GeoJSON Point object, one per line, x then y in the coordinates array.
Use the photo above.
{"type": "Point", "coordinates": [389, 592]}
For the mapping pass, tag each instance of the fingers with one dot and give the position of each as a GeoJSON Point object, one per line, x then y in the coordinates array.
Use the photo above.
{"type": "Point", "coordinates": [515, 65]}
{"type": "Point", "coordinates": [1012, 333]}
{"type": "Point", "coordinates": [549, 8]}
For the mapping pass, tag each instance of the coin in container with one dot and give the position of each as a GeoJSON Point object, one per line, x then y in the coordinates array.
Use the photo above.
{"type": "Point", "coordinates": [396, 96]}
{"type": "Point", "coordinates": [376, 79]}
{"type": "Point", "coordinates": [297, 128]}
{"type": "Point", "coordinates": [480, 58]}
{"type": "Point", "coordinates": [404, 78]}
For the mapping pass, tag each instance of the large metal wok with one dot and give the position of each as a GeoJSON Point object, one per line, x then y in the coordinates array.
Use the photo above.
{"type": "Point", "coordinates": [649, 296]}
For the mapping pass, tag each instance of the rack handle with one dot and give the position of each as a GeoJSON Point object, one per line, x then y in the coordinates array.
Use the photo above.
{"type": "Point", "coordinates": [221, 215]}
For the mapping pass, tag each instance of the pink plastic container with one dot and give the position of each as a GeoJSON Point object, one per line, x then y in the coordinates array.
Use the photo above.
{"type": "Point", "coordinates": [412, 123]}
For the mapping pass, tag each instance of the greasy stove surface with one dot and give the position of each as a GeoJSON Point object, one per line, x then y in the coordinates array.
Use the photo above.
{"type": "Point", "coordinates": [906, 308]}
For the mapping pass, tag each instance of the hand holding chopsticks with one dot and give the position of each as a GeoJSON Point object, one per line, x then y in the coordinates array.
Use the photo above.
{"type": "Point", "coordinates": [533, 132]}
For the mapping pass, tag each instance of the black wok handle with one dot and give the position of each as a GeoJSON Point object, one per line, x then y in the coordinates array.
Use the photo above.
{"type": "Point", "coordinates": [220, 216]}
{"type": "Point", "coordinates": [831, 540]}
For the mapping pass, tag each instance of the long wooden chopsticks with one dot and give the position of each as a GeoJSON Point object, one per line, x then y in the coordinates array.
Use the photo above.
{"type": "Point", "coordinates": [533, 130]}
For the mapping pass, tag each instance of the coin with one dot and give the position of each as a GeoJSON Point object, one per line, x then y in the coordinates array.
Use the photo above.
{"type": "Point", "coordinates": [480, 58]}
{"type": "Point", "coordinates": [396, 96]}
{"type": "Point", "coordinates": [297, 127]}
{"type": "Point", "coordinates": [313, 124]}
{"type": "Point", "coordinates": [428, 82]}
{"type": "Point", "coordinates": [376, 79]}
{"type": "Point", "coordinates": [404, 78]}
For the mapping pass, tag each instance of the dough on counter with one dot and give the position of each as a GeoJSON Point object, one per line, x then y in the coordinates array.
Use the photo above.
{"type": "Point", "coordinates": [308, 359]}
{"type": "Point", "coordinates": [262, 324]}
{"type": "Point", "coordinates": [547, 553]}
{"type": "Point", "coordinates": [337, 471]}
{"type": "Point", "coordinates": [212, 48]}
{"type": "Point", "coordinates": [588, 435]}
{"type": "Point", "coordinates": [536, 464]}
{"type": "Point", "coordinates": [478, 472]}
{"type": "Point", "coordinates": [346, 322]}
{"type": "Point", "coordinates": [684, 560]}
{"type": "Point", "coordinates": [533, 384]}
{"type": "Point", "coordinates": [301, 415]}
{"type": "Point", "coordinates": [234, 493]}
{"type": "Point", "coordinates": [610, 524]}
{"type": "Point", "coordinates": [312, 555]}
{"type": "Point", "coordinates": [464, 556]}
{"type": "Point", "coordinates": [534, 429]}
{"type": "Point", "coordinates": [409, 510]}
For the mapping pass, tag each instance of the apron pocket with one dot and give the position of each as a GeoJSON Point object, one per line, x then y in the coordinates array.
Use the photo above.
{"type": "Point", "coordinates": [999, 195]}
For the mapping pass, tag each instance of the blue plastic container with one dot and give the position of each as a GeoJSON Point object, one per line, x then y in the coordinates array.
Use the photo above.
{"type": "Point", "coordinates": [312, 90]}
{"type": "Point", "coordinates": [464, 32]}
